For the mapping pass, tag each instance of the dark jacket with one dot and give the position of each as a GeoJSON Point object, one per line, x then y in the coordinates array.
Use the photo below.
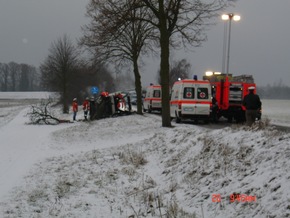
{"type": "Point", "coordinates": [252, 101]}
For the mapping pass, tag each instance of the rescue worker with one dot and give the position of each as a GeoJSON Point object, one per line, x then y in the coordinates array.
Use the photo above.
{"type": "Point", "coordinates": [252, 103]}
{"type": "Point", "coordinates": [214, 109]}
{"type": "Point", "coordinates": [86, 107]}
{"type": "Point", "coordinates": [75, 108]}
{"type": "Point", "coordinates": [92, 108]}
{"type": "Point", "coordinates": [120, 102]}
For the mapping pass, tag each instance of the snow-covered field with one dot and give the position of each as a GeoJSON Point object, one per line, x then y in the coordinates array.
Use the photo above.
{"type": "Point", "coordinates": [278, 111]}
{"type": "Point", "coordinates": [132, 167]}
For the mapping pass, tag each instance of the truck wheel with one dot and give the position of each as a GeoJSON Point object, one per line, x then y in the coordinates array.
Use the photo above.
{"type": "Point", "coordinates": [240, 117]}
{"type": "Point", "coordinates": [177, 119]}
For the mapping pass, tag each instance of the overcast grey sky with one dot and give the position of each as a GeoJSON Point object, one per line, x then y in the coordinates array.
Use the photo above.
{"type": "Point", "coordinates": [260, 41]}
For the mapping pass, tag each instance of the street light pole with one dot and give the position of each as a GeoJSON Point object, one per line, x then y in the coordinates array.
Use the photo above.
{"type": "Point", "coordinates": [229, 17]}
{"type": "Point", "coordinates": [224, 47]}
{"type": "Point", "coordinates": [229, 43]}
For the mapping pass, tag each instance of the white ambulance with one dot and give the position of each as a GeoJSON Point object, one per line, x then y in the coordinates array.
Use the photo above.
{"type": "Point", "coordinates": [152, 100]}
{"type": "Point", "coordinates": [191, 100]}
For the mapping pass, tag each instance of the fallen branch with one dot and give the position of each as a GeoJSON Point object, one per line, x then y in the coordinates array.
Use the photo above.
{"type": "Point", "coordinates": [41, 114]}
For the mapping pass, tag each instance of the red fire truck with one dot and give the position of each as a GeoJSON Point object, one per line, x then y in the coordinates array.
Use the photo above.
{"type": "Point", "coordinates": [229, 92]}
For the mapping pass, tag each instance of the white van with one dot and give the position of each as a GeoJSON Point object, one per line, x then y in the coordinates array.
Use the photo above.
{"type": "Point", "coordinates": [152, 100]}
{"type": "Point", "coordinates": [191, 99]}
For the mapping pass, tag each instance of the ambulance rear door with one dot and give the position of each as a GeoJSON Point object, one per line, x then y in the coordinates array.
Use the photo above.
{"type": "Point", "coordinates": [203, 99]}
{"type": "Point", "coordinates": [196, 99]}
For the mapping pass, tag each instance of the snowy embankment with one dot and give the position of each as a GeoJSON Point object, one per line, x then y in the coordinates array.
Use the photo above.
{"type": "Point", "coordinates": [130, 166]}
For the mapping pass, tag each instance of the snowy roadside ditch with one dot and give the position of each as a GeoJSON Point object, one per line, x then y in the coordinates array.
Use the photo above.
{"type": "Point", "coordinates": [130, 167]}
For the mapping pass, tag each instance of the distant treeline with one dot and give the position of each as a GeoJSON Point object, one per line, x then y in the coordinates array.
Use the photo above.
{"type": "Point", "coordinates": [24, 77]}
{"type": "Point", "coordinates": [274, 92]}
{"type": "Point", "coordinates": [19, 77]}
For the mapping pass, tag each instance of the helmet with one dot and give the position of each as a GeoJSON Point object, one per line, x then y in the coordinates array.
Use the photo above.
{"type": "Point", "coordinates": [251, 88]}
{"type": "Point", "coordinates": [87, 98]}
{"type": "Point", "coordinates": [75, 99]}
{"type": "Point", "coordinates": [119, 95]}
{"type": "Point", "coordinates": [104, 94]}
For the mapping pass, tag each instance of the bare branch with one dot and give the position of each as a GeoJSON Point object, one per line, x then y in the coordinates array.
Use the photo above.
{"type": "Point", "coordinates": [41, 114]}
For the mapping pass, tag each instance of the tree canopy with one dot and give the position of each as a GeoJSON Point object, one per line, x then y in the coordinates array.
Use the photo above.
{"type": "Point", "coordinates": [59, 68]}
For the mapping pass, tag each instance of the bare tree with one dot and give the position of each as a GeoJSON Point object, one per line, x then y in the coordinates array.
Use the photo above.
{"type": "Point", "coordinates": [18, 77]}
{"type": "Point", "coordinates": [116, 34]}
{"type": "Point", "coordinates": [179, 69]}
{"type": "Point", "coordinates": [92, 74]}
{"type": "Point", "coordinates": [4, 75]}
{"type": "Point", "coordinates": [124, 80]}
{"type": "Point", "coordinates": [184, 19]}
{"type": "Point", "coordinates": [14, 70]}
{"type": "Point", "coordinates": [34, 78]}
{"type": "Point", "coordinates": [24, 83]}
{"type": "Point", "coordinates": [59, 68]}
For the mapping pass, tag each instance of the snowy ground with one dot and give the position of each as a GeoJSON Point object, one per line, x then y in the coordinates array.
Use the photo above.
{"type": "Point", "coordinates": [132, 167]}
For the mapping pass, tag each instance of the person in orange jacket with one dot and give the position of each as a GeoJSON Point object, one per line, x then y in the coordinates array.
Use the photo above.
{"type": "Point", "coordinates": [75, 108]}
{"type": "Point", "coordinates": [86, 107]}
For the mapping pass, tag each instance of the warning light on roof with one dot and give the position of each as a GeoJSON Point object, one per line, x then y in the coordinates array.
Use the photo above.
{"type": "Point", "coordinates": [208, 73]}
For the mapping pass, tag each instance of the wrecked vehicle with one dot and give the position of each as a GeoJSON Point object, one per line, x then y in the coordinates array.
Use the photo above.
{"type": "Point", "coordinates": [110, 105]}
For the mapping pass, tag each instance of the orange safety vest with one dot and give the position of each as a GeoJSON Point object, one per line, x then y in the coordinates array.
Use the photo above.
{"type": "Point", "coordinates": [75, 106]}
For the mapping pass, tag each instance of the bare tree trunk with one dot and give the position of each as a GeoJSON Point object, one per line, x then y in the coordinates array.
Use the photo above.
{"type": "Point", "coordinates": [164, 70]}
{"type": "Point", "coordinates": [65, 106]}
{"type": "Point", "coordinates": [138, 86]}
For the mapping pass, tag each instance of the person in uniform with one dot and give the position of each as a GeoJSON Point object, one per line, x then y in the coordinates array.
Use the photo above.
{"type": "Point", "coordinates": [252, 103]}
{"type": "Point", "coordinates": [86, 107]}
{"type": "Point", "coordinates": [75, 108]}
{"type": "Point", "coordinates": [92, 107]}
{"type": "Point", "coordinates": [215, 108]}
